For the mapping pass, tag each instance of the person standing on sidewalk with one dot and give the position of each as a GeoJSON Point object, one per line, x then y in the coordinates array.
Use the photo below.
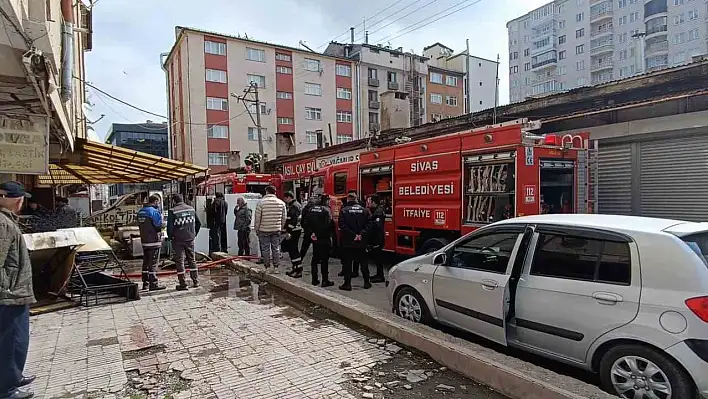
{"type": "Point", "coordinates": [269, 222]}
{"type": "Point", "coordinates": [16, 294]}
{"type": "Point", "coordinates": [353, 223]}
{"type": "Point", "coordinates": [182, 226]}
{"type": "Point", "coordinates": [242, 225]}
{"type": "Point", "coordinates": [150, 224]}
{"type": "Point", "coordinates": [376, 237]}
{"type": "Point", "coordinates": [319, 218]}
{"type": "Point", "coordinates": [292, 234]}
{"type": "Point", "coordinates": [306, 230]}
{"type": "Point", "coordinates": [218, 231]}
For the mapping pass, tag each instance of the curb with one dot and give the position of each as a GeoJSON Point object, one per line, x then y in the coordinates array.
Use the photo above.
{"type": "Point", "coordinates": [484, 365]}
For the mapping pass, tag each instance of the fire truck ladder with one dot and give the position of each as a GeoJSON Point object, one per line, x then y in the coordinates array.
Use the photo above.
{"type": "Point", "coordinates": [588, 177]}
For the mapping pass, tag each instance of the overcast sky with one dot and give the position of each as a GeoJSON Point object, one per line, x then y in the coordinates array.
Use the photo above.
{"type": "Point", "coordinates": [129, 36]}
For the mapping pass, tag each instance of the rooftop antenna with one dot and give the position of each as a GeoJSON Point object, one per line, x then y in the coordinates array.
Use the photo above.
{"type": "Point", "coordinates": [305, 46]}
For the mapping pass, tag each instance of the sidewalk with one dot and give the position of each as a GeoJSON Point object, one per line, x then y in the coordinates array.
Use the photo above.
{"type": "Point", "coordinates": [232, 338]}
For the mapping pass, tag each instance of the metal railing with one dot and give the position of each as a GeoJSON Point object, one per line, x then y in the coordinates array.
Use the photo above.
{"type": "Point", "coordinates": [601, 14]}
{"type": "Point", "coordinates": [602, 31]}
{"type": "Point", "coordinates": [607, 63]}
{"type": "Point", "coordinates": [604, 46]}
{"type": "Point", "coordinates": [373, 82]}
{"type": "Point", "coordinates": [374, 104]}
{"type": "Point", "coordinates": [657, 47]}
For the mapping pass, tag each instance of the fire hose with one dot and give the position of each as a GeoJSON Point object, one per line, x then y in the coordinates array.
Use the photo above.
{"type": "Point", "coordinates": [208, 265]}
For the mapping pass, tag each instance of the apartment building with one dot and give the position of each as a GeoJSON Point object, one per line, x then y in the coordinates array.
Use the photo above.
{"type": "Point", "coordinates": [305, 97]}
{"type": "Point", "coordinates": [571, 43]}
{"type": "Point", "coordinates": [380, 69]}
{"type": "Point", "coordinates": [475, 77]}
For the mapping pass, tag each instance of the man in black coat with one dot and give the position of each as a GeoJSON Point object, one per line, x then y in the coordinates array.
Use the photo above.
{"type": "Point", "coordinates": [319, 220]}
{"type": "Point", "coordinates": [292, 234]}
{"type": "Point", "coordinates": [353, 225]}
{"type": "Point", "coordinates": [217, 231]}
{"type": "Point", "coordinates": [376, 237]}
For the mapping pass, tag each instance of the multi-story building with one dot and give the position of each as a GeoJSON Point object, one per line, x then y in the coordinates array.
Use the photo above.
{"type": "Point", "coordinates": [380, 69]}
{"type": "Point", "coordinates": [148, 137]}
{"type": "Point", "coordinates": [305, 97]}
{"type": "Point", "coordinates": [478, 83]}
{"type": "Point", "coordinates": [571, 43]}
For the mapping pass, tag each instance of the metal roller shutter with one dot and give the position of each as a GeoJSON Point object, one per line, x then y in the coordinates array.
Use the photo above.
{"type": "Point", "coordinates": [674, 178]}
{"type": "Point", "coordinates": [614, 183]}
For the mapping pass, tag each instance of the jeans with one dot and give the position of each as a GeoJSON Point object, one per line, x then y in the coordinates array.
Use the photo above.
{"type": "Point", "coordinates": [218, 238]}
{"type": "Point", "coordinates": [14, 341]}
{"type": "Point", "coordinates": [270, 244]}
{"type": "Point", "coordinates": [244, 242]}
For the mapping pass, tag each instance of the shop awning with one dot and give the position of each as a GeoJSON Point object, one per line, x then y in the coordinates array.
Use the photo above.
{"type": "Point", "coordinates": [98, 163]}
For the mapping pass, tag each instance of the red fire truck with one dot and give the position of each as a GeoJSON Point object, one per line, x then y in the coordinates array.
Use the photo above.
{"type": "Point", "coordinates": [437, 189]}
{"type": "Point", "coordinates": [240, 183]}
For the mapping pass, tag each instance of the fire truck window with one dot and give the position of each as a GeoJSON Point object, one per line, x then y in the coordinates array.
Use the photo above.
{"type": "Point", "coordinates": [340, 183]}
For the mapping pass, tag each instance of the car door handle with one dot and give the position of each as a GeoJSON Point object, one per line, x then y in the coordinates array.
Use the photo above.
{"type": "Point", "coordinates": [607, 298]}
{"type": "Point", "coordinates": [489, 284]}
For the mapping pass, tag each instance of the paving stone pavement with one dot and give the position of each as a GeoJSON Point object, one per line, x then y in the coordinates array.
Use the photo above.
{"type": "Point", "coordinates": [223, 345]}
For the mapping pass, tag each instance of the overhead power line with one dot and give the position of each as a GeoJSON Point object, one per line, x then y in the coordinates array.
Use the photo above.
{"type": "Point", "coordinates": [401, 33]}
{"type": "Point", "coordinates": [404, 16]}
{"type": "Point", "coordinates": [119, 100]}
{"type": "Point", "coordinates": [362, 34]}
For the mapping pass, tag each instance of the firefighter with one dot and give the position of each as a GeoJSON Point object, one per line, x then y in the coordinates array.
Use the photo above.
{"type": "Point", "coordinates": [319, 220]}
{"type": "Point", "coordinates": [150, 224]}
{"type": "Point", "coordinates": [355, 264]}
{"type": "Point", "coordinates": [353, 222]}
{"type": "Point", "coordinates": [182, 226]}
{"type": "Point", "coordinates": [292, 234]}
{"type": "Point", "coordinates": [306, 230]}
{"type": "Point", "coordinates": [375, 239]}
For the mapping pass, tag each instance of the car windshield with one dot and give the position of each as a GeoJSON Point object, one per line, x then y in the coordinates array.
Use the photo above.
{"type": "Point", "coordinates": [699, 244]}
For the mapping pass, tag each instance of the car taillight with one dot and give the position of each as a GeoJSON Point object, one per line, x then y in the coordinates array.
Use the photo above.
{"type": "Point", "coordinates": [699, 306]}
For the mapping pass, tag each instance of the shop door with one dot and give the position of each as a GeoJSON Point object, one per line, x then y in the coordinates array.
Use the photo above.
{"type": "Point", "coordinates": [615, 179]}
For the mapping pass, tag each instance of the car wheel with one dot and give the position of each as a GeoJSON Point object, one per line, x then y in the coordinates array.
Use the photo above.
{"type": "Point", "coordinates": [411, 306]}
{"type": "Point", "coordinates": [432, 245]}
{"type": "Point", "coordinates": [636, 371]}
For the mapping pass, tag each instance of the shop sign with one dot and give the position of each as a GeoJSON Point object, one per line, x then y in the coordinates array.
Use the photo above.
{"type": "Point", "coordinates": [24, 146]}
{"type": "Point", "coordinates": [349, 156]}
{"type": "Point", "coordinates": [299, 169]}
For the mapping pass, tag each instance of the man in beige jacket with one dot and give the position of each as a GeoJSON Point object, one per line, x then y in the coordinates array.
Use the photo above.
{"type": "Point", "coordinates": [269, 222]}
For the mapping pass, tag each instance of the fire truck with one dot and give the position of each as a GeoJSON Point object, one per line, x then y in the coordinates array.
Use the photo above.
{"type": "Point", "coordinates": [435, 190]}
{"type": "Point", "coordinates": [240, 183]}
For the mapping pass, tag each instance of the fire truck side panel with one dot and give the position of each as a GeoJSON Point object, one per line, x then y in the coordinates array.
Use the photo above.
{"type": "Point", "coordinates": [496, 137]}
{"type": "Point", "coordinates": [378, 156]}
{"type": "Point", "coordinates": [426, 147]}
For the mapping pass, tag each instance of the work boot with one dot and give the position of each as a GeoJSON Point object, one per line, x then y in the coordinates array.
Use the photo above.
{"type": "Point", "coordinates": [156, 287]}
{"type": "Point", "coordinates": [367, 285]}
{"type": "Point", "coordinates": [315, 281]}
{"type": "Point", "coordinates": [146, 286]}
{"type": "Point", "coordinates": [181, 285]}
{"type": "Point", "coordinates": [327, 283]}
{"type": "Point", "coordinates": [195, 283]}
{"type": "Point", "coordinates": [297, 273]}
{"type": "Point", "coordinates": [17, 394]}
{"type": "Point", "coordinates": [378, 279]}
{"type": "Point", "coordinates": [345, 287]}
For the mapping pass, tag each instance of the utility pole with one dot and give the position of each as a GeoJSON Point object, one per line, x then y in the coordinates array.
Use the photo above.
{"type": "Point", "coordinates": [468, 101]}
{"type": "Point", "coordinates": [257, 121]}
{"type": "Point", "coordinates": [496, 93]}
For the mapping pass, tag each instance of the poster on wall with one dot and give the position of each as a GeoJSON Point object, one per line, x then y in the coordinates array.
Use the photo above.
{"type": "Point", "coordinates": [24, 145]}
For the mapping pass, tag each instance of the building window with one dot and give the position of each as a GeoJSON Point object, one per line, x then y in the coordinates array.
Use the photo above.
{"type": "Point", "coordinates": [311, 137]}
{"type": "Point", "coordinates": [342, 138]}
{"type": "Point", "coordinates": [215, 103]}
{"type": "Point", "coordinates": [436, 78]}
{"type": "Point", "coordinates": [527, 52]}
{"type": "Point", "coordinates": [218, 158]}
{"type": "Point", "coordinates": [283, 57]}
{"type": "Point", "coordinates": [580, 49]}
{"type": "Point", "coordinates": [217, 131]}
{"type": "Point", "coordinates": [561, 39]}
{"type": "Point", "coordinates": [579, 17]}
{"type": "Point", "coordinates": [214, 48]}
{"type": "Point", "coordinates": [344, 93]}
{"type": "Point", "coordinates": [580, 33]}
{"type": "Point", "coordinates": [285, 121]}
{"type": "Point", "coordinates": [693, 34]}
{"type": "Point", "coordinates": [435, 98]}
{"type": "Point", "coordinates": [582, 81]}
{"type": "Point", "coordinates": [693, 14]}
{"type": "Point", "coordinates": [373, 96]}
{"type": "Point", "coordinates": [392, 77]}
{"type": "Point", "coordinates": [343, 70]}
{"type": "Point", "coordinates": [215, 75]}
{"type": "Point", "coordinates": [451, 81]}
{"type": "Point", "coordinates": [257, 79]}
{"type": "Point", "coordinates": [313, 89]}
{"type": "Point", "coordinates": [561, 24]}
{"type": "Point", "coordinates": [514, 69]}
{"type": "Point", "coordinates": [284, 95]}
{"type": "Point", "coordinates": [451, 101]}
{"type": "Point", "coordinates": [252, 108]}
{"type": "Point", "coordinates": [580, 65]}
{"type": "Point", "coordinates": [344, 116]}
{"type": "Point", "coordinates": [254, 54]}
{"type": "Point", "coordinates": [312, 65]}
{"type": "Point", "coordinates": [284, 70]}
{"type": "Point", "coordinates": [373, 117]}
{"type": "Point", "coordinates": [373, 73]}
{"type": "Point", "coordinates": [313, 114]}
{"type": "Point", "coordinates": [561, 55]}
{"type": "Point", "coordinates": [622, 20]}
{"type": "Point", "coordinates": [253, 133]}
{"type": "Point", "coordinates": [527, 66]}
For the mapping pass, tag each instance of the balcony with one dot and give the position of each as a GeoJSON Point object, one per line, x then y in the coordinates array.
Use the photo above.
{"type": "Point", "coordinates": [656, 30]}
{"type": "Point", "coordinates": [544, 64]}
{"type": "Point", "coordinates": [599, 48]}
{"type": "Point", "coordinates": [659, 47]}
{"type": "Point", "coordinates": [593, 2]}
{"type": "Point", "coordinates": [373, 82]}
{"type": "Point", "coordinates": [374, 127]}
{"type": "Point", "coordinates": [599, 66]}
{"type": "Point", "coordinates": [604, 14]}
{"type": "Point", "coordinates": [374, 105]}
{"type": "Point", "coordinates": [601, 32]}
{"type": "Point", "coordinates": [393, 85]}
{"type": "Point", "coordinates": [602, 79]}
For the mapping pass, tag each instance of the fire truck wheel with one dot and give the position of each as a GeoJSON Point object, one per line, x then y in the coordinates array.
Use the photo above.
{"type": "Point", "coordinates": [432, 245]}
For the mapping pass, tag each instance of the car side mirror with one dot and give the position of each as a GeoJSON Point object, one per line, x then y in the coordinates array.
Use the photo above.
{"type": "Point", "coordinates": [440, 259]}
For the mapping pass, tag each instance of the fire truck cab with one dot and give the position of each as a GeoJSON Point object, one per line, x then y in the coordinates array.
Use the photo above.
{"type": "Point", "coordinates": [435, 190]}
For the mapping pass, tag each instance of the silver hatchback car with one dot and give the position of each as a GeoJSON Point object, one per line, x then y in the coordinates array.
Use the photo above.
{"type": "Point", "coordinates": [623, 296]}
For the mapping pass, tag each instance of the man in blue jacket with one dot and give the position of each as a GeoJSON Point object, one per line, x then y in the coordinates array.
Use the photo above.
{"type": "Point", "coordinates": [150, 224]}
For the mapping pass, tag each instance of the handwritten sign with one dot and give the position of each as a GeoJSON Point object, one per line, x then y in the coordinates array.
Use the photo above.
{"type": "Point", "coordinates": [24, 146]}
